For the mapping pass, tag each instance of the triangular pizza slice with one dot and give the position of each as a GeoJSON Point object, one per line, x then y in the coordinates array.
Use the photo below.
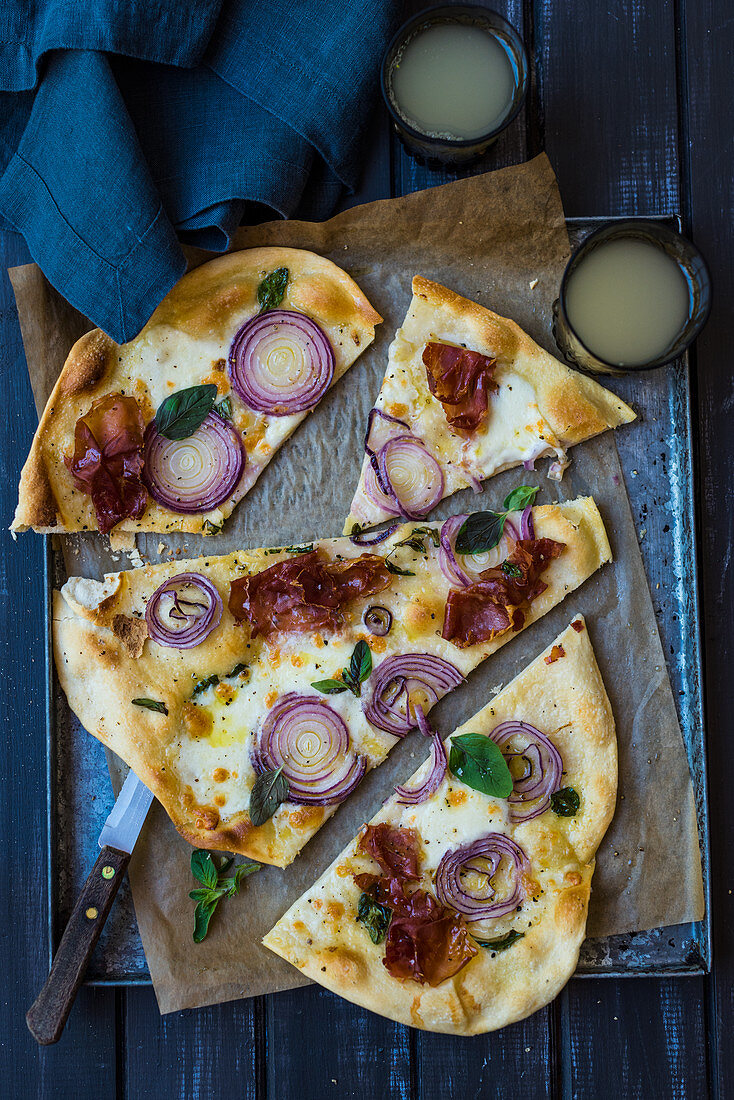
{"type": "Point", "coordinates": [461, 906]}
{"type": "Point", "coordinates": [251, 692]}
{"type": "Point", "coordinates": [467, 394]}
{"type": "Point", "coordinates": [170, 431]}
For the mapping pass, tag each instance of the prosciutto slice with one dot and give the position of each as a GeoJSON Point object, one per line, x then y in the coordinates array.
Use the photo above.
{"type": "Point", "coordinates": [499, 599]}
{"type": "Point", "coordinates": [462, 380]}
{"type": "Point", "coordinates": [304, 593]}
{"type": "Point", "coordinates": [108, 459]}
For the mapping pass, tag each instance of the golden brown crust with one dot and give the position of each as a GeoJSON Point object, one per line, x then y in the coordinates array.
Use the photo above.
{"type": "Point", "coordinates": [191, 328]}
{"type": "Point", "coordinates": [99, 627]}
{"type": "Point", "coordinates": [494, 988]}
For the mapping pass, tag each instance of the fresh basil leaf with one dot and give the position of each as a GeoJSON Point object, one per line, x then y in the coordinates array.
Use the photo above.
{"type": "Point", "coordinates": [272, 289]}
{"type": "Point", "coordinates": [479, 532]}
{"type": "Point", "coordinates": [374, 917]}
{"type": "Point", "coordinates": [478, 762]}
{"type": "Point", "coordinates": [181, 414]}
{"type": "Point", "coordinates": [202, 685]}
{"type": "Point", "coordinates": [224, 408]}
{"type": "Point", "coordinates": [202, 916]}
{"type": "Point", "coordinates": [502, 942]}
{"type": "Point", "coordinates": [520, 497]}
{"type": "Point", "coordinates": [204, 868]}
{"type": "Point", "coordinates": [271, 788]}
{"type": "Point", "coordinates": [396, 570]}
{"type": "Point", "coordinates": [510, 569]}
{"type": "Point", "coordinates": [151, 704]}
{"type": "Point", "coordinates": [565, 802]}
{"type": "Point", "coordinates": [330, 687]}
{"type": "Point", "coordinates": [360, 665]}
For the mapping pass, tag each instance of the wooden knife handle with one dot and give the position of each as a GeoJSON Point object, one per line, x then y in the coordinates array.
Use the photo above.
{"type": "Point", "coordinates": [50, 1010]}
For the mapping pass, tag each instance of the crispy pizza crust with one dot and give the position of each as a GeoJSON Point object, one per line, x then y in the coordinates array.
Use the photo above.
{"type": "Point", "coordinates": [185, 343]}
{"type": "Point", "coordinates": [542, 406]}
{"type": "Point", "coordinates": [105, 660]}
{"type": "Point", "coordinates": [319, 933]}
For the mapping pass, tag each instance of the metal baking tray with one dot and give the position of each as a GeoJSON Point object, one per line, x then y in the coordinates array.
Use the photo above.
{"type": "Point", "coordinates": [661, 448]}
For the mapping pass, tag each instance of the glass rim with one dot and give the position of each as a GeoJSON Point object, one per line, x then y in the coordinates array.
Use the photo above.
{"type": "Point", "coordinates": [629, 227]}
{"type": "Point", "coordinates": [429, 15]}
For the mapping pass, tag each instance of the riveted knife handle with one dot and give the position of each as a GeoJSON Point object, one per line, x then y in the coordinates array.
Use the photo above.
{"type": "Point", "coordinates": [49, 1012]}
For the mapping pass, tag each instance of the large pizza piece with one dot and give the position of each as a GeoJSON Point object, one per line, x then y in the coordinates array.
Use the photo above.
{"type": "Point", "coordinates": [170, 431]}
{"type": "Point", "coordinates": [458, 909]}
{"type": "Point", "coordinates": [252, 692]}
{"type": "Point", "coordinates": [467, 394]}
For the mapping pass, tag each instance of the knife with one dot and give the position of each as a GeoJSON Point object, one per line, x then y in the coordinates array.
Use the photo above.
{"type": "Point", "coordinates": [49, 1012]}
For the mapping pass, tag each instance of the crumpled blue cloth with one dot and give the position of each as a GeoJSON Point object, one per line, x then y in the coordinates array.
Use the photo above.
{"type": "Point", "coordinates": [128, 126]}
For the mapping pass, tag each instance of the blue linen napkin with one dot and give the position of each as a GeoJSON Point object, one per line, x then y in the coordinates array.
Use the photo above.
{"type": "Point", "coordinates": [126, 128]}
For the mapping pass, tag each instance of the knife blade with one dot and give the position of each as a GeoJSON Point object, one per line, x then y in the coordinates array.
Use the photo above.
{"type": "Point", "coordinates": [49, 1012]}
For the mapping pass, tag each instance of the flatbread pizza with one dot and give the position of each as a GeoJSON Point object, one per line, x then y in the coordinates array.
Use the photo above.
{"type": "Point", "coordinates": [467, 394]}
{"type": "Point", "coordinates": [457, 909]}
{"type": "Point", "coordinates": [170, 431]}
{"type": "Point", "coordinates": [251, 692]}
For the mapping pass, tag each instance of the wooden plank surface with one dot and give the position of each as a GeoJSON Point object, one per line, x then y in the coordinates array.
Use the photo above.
{"type": "Point", "coordinates": [631, 101]}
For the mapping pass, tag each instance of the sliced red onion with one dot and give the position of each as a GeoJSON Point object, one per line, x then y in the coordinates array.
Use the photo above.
{"type": "Point", "coordinates": [482, 857]}
{"type": "Point", "coordinates": [373, 491]}
{"type": "Point", "coordinates": [476, 484]}
{"type": "Point", "coordinates": [412, 475]}
{"type": "Point", "coordinates": [527, 527]}
{"type": "Point", "coordinates": [390, 706]}
{"type": "Point", "coordinates": [362, 538]}
{"type": "Point", "coordinates": [532, 791]}
{"type": "Point", "coordinates": [557, 469]}
{"type": "Point", "coordinates": [471, 564]}
{"type": "Point", "coordinates": [529, 464]}
{"type": "Point", "coordinates": [413, 796]}
{"type": "Point", "coordinates": [195, 474]}
{"type": "Point", "coordinates": [378, 620]}
{"type": "Point", "coordinates": [183, 611]}
{"type": "Point", "coordinates": [281, 363]}
{"type": "Point", "coordinates": [310, 741]}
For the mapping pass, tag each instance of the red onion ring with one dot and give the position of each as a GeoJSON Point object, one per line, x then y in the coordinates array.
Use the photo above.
{"type": "Point", "coordinates": [473, 564]}
{"type": "Point", "coordinates": [364, 539]}
{"type": "Point", "coordinates": [280, 363]}
{"type": "Point", "coordinates": [396, 679]}
{"type": "Point", "coordinates": [310, 741]}
{"type": "Point", "coordinates": [195, 474]}
{"type": "Point", "coordinates": [183, 620]}
{"type": "Point", "coordinates": [422, 488]}
{"type": "Point", "coordinates": [527, 527]}
{"type": "Point", "coordinates": [413, 796]}
{"type": "Point", "coordinates": [532, 792]}
{"type": "Point", "coordinates": [478, 903]}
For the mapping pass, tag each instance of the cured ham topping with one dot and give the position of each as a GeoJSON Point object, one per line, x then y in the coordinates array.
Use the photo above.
{"type": "Point", "coordinates": [499, 600]}
{"type": "Point", "coordinates": [462, 381]}
{"type": "Point", "coordinates": [305, 593]}
{"type": "Point", "coordinates": [108, 459]}
{"type": "Point", "coordinates": [426, 941]}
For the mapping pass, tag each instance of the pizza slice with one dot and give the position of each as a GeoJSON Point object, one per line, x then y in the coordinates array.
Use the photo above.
{"type": "Point", "coordinates": [251, 692]}
{"type": "Point", "coordinates": [461, 906]}
{"type": "Point", "coordinates": [170, 431]}
{"type": "Point", "coordinates": [467, 394]}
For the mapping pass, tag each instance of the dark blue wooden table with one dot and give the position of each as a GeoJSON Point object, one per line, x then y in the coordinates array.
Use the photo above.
{"type": "Point", "coordinates": [632, 101]}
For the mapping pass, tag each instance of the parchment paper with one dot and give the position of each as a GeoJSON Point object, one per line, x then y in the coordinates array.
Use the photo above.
{"type": "Point", "coordinates": [501, 240]}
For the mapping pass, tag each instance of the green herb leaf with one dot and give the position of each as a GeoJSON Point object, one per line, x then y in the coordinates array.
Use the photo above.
{"type": "Point", "coordinates": [299, 549]}
{"type": "Point", "coordinates": [182, 413]}
{"type": "Point", "coordinates": [202, 916]}
{"type": "Point", "coordinates": [374, 917]}
{"type": "Point", "coordinates": [224, 408]}
{"type": "Point", "coordinates": [209, 528]}
{"type": "Point", "coordinates": [244, 870]}
{"type": "Point", "coordinates": [202, 685]}
{"type": "Point", "coordinates": [478, 762]}
{"type": "Point", "coordinates": [200, 895]}
{"type": "Point", "coordinates": [428, 532]}
{"type": "Point", "coordinates": [510, 569]}
{"type": "Point", "coordinates": [415, 542]}
{"type": "Point", "coordinates": [236, 671]}
{"type": "Point", "coordinates": [565, 802]}
{"type": "Point", "coordinates": [330, 687]}
{"type": "Point", "coordinates": [225, 865]}
{"type": "Point", "coordinates": [360, 665]}
{"type": "Point", "coordinates": [271, 788]}
{"type": "Point", "coordinates": [272, 289]}
{"type": "Point", "coordinates": [502, 942]}
{"type": "Point", "coordinates": [151, 704]}
{"type": "Point", "coordinates": [204, 868]}
{"type": "Point", "coordinates": [520, 497]}
{"type": "Point", "coordinates": [396, 570]}
{"type": "Point", "coordinates": [479, 532]}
